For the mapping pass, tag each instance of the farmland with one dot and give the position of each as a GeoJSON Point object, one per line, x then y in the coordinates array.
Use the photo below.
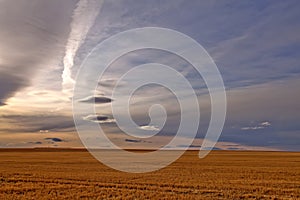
{"type": "Point", "coordinates": [75, 174]}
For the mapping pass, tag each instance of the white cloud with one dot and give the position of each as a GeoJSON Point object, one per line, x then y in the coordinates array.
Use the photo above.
{"type": "Point", "coordinates": [83, 18]}
{"type": "Point", "coordinates": [252, 128]}
{"type": "Point", "coordinates": [44, 131]}
{"type": "Point", "coordinates": [149, 128]}
{"type": "Point", "coordinates": [261, 125]}
{"type": "Point", "coordinates": [265, 124]}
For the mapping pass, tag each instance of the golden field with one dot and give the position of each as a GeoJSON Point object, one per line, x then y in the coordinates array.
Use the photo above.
{"type": "Point", "coordinates": [75, 174]}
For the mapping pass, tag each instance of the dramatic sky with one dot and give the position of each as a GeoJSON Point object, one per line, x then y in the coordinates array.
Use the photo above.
{"type": "Point", "coordinates": [255, 44]}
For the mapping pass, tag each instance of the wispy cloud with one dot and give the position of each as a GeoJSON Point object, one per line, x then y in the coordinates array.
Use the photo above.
{"type": "Point", "coordinates": [261, 125]}
{"type": "Point", "coordinates": [83, 18]}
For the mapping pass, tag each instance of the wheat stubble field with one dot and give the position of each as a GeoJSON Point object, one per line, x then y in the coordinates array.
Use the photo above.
{"type": "Point", "coordinates": [75, 174]}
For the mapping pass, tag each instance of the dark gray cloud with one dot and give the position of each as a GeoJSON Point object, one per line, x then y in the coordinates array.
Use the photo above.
{"type": "Point", "coordinates": [96, 100]}
{"type": "Point", "coordinates": [37, 142]}
{"type": "Point", "coordinates": [189, 146]}
{"type": "Point", "coordinates": [133, 140]}
{"type": "Point", "coordinates": [99, 119]}
{"type": "Point", "coordinates": [9, 84]}
{"type": "Point", "coordinates": [55, 139]}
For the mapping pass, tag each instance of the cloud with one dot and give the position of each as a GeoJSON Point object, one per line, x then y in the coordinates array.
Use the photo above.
{"type": "Point", "coordinates": [106, 85]}
{"type": "Point", "coordinates": [9, 84]}
{"type": "Point", "coordinates": [149, 128]}
{"type": "Point", "coordinates": [29, 140]}
{"type": "Point", "coordinates": [36, 123]}
{"type": "Point", "coordinates": [265, 124]}
{"type": "Point", "coordinates": [132, 140]}
{"type": "Point", "coordinates": [250, 53]}
{"type": "Point", "coordinates": [83, 18]}
{"type": "Point", "coordinates": [96, 100]}
{"type": "Point", "coordinates": [37, 142]}
{"type": "Point", "coordinates": [242, 43]}
{"type": "Point", "coordinates": [110, 83]}
{"type": "Point", "coordinates": [102, 119]}
{"type": "Point", "coordinates": [31, 38]}
{"type": "Point", "coordinates": [55, 139]}
{"type": "Point", "coordinates": [252, 128]}
{"type": "Point", "coordinates": [261, 125]}
{"type": "Point", "coordinates": [44, 131]}
{"type": "Point", "coordinates": [188, 146]}
{"type": "Point", "coordinates": [234, 41]}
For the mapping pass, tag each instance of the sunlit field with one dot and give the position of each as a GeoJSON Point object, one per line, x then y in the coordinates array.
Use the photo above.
{"type": "Point", "coordinates": [75, 174]}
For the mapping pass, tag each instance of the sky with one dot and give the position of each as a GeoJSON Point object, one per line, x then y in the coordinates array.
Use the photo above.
{"type": "Point", "coordinates": [255, 45]}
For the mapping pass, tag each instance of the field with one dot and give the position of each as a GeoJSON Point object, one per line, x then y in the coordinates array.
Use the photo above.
{"type": "Point", "coordinates": [75, 174]}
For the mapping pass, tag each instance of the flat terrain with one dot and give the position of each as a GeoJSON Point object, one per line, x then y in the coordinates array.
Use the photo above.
{"type": "Point", "coordinates": [75, 174]}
